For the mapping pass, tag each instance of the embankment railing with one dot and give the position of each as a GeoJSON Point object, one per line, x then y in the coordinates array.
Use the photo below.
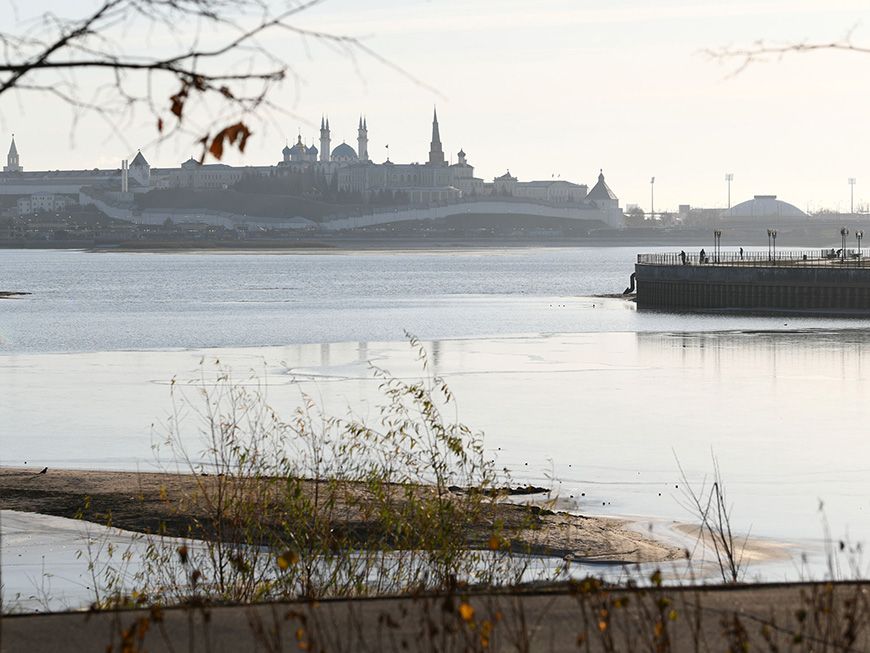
{"type": "Point", "coordinates": [796, 258]}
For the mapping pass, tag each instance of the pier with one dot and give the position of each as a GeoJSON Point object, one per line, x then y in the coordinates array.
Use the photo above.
{"type": "Point", "coordinates": [802, 281]}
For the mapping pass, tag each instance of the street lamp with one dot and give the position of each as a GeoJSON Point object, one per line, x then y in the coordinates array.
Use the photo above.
{"type": "Point", "coordinates": [852, 195]}
{"type": "Point", "coordinates": [773, 235]}
{"type": "Point", "coordinates": [859, 235]}
{"type": "Point", "coordinates": [717, 242]}
{"type": "Point", "coordinates": [843, 233]}
{"type": "Point", "coordinates": [770, 233]}
{"type": "Point", "coordinates": [652, 197]}
{"type": "Point", "coordinates": [729, 177]}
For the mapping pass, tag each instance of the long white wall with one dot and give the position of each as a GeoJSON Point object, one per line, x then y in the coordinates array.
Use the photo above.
{"type": "Point", "coordinates": [612, 218]}
{"type": "Point", "coordinates": [478, 207]}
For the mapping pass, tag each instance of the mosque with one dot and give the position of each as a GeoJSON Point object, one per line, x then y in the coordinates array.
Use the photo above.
{"type": "Point", "coordinates": [347, 169]}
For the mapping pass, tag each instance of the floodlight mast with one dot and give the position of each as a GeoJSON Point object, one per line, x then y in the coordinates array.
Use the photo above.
{"type": "Point", "coordinates": [729, 177]}
{"type": "Point", "coordinates": [852, 195]}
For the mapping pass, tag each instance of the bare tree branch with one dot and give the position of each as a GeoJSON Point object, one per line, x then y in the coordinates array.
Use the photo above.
{"type": "Point", "coordinates": [218, 56]}
{"type": "Point", "coordinates": [762, 51]}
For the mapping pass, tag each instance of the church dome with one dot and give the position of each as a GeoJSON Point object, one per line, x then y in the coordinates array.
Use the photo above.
{"type": "Point", "coordinates": [286, 151]}
{"type": "Point", "coordinates": [312, 150]}
{"type": "Point", "coordinates": [765, 206]}
{"type": "Point", "coordinates": [344, 151]}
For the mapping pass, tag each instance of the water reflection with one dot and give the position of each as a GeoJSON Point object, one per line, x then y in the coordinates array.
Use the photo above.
{"type": "Point", "coordinates": [600, 416]}
{"type": "Point", "coordinates": [822, 353]}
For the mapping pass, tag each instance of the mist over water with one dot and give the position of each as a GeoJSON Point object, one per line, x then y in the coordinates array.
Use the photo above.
{"type": "Point", "coordinates": [588, 394]}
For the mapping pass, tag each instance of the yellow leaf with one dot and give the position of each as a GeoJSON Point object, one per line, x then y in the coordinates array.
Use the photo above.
{"type": "Point", "coordinates": [466, 612]}
{"type": "Point", "coordinates": [286, 559]}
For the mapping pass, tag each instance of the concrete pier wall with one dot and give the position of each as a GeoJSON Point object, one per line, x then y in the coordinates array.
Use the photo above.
{"type": "Point", "coordinates": [759, 288]}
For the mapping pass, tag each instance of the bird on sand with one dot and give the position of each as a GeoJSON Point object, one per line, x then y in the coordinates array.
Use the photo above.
{"type": "Point", "coordinates": [44, 471]}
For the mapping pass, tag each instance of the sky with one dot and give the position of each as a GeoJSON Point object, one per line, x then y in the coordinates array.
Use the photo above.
{"type": "Point", "coordinates": [550, 88]}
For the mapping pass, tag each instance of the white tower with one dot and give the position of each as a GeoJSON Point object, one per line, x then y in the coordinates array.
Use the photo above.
{"type": "Point", "coordinates": [436, 153]}
{"type": "Point", "coordinates": [12, 163]}
{"type": "Point", "coordinates": [363, 140]}
{"type": "Point", "coordinates": [324, 139]}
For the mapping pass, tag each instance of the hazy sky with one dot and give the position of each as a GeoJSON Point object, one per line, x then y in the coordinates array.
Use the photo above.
{"type": "Point", "coordinates": [557, 87]}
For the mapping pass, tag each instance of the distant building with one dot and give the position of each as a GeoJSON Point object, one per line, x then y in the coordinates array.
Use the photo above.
{"type": "Point", "coordinates": [347, 170]}
{"type": "Point", "coordinates": [764, 206]}
{"type": "Point", "coordinates": [43, 202]}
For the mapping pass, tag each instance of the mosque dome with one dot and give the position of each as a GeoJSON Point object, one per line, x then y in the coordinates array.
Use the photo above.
{"type": "Point", "coordinates": [312, 150]}
{"type": "Point", "coordinates": [344, 151]}
{"type": "Point", "coordinates": [286, 151]}
{"type": "Point", "coordinates": [764, 206]}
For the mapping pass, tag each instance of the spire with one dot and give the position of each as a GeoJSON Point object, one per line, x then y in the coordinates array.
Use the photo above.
{"type": "Point", "coordinates": [436, 153]}
{"type": "Point", "coordinates": [363, 140]}
{"type": "Point", "coordinates": [436, 135]}
{"type": "Point", "coordinates": [324, 139]}
{"type": "Point", "coordinates": [365, 124]}
{"type": "Point", "coordinates": [12, 162]}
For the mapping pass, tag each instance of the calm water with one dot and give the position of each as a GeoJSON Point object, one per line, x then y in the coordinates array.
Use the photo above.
{"type": "Point", "coordinates": [101, 302]}
{"type": "Point", "coordinates": [585, 393]}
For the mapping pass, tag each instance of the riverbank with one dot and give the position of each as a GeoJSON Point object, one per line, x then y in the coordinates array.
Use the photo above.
{"type": "Point", "coordinates": [169, 503]}
{"type": "Point", "coordinates": [362, 244]}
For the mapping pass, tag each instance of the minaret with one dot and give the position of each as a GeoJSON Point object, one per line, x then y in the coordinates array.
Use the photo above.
{"type": "Point", "coordinates": [436, 154]}
{"type": "Point", "coordinates": [362, 140]}
{"type": "Point", "coordinates": [324, 139]}
{"type": "Point", "coordinates": [12, 163]}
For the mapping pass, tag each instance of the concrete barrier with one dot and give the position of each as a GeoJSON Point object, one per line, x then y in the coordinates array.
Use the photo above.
{"type": "Point", "coordinates": [831, 288]}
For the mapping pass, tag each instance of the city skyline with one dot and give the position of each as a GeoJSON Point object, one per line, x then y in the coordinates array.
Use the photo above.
{"type": "Point", "coordinates": [561, 93]}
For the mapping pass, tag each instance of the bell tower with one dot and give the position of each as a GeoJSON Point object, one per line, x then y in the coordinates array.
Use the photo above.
{"type": "Point", "coordinates": [12, 162]}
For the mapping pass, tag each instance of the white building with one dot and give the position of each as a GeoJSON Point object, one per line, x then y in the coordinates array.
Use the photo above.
{"type": "Point", "coordinates": [43, 203]}
{"type": "Point", "coordinates": [345, 169]}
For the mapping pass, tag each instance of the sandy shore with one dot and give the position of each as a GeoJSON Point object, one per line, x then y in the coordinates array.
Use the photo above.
{"type": "Point", "coordinates": [149, 502]}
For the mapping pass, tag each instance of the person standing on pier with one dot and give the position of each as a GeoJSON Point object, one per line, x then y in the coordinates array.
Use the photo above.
{"type": "Point", "coordinates": [683, 256]}
{"type": "Point", "coordinates": [702, 256]}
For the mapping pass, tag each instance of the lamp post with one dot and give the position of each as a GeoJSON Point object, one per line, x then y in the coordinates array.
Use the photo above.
{"type": "Point", "coordinates": [843, 233]}
{"type": "Point", "coordinates": [717, 243]}
{"type": "Point", "coordinates": [769, 236]}
{"type": "Point", "coordinates": [851, 195]}
{"type": "Point", "coordinates": [652, 197]}
{"type": "Point", "coordinates": [773, 235]}
{"type": "Point", "coordinates": [859, 235]}
{"type": "Point", "coordinates": [729, 177]}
